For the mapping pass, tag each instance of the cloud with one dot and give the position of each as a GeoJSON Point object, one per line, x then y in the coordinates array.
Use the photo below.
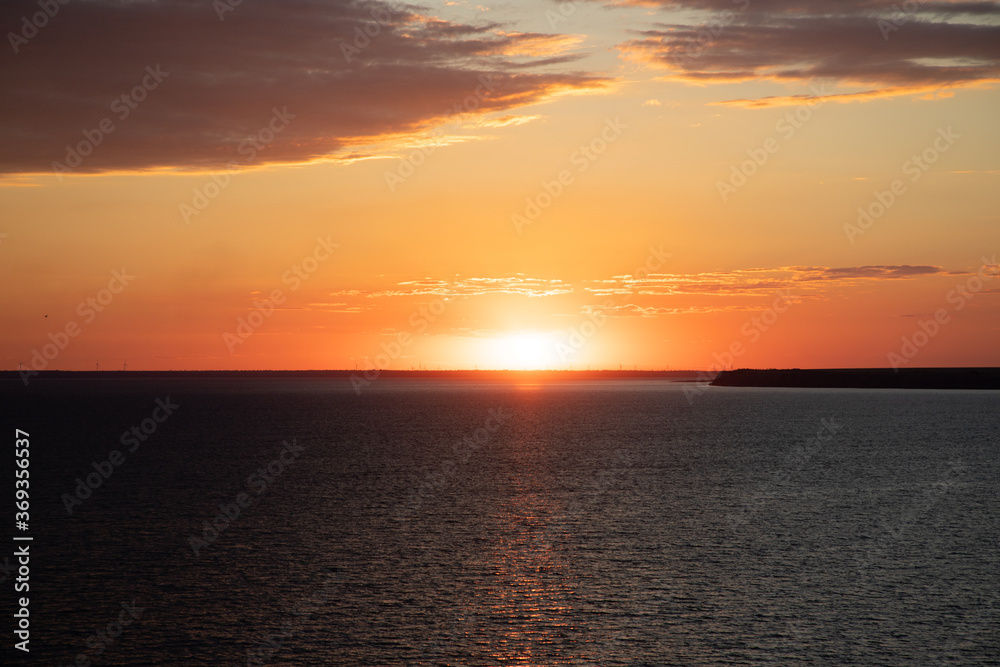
{"type": "Point", "coordinates": [748, 285]}
{"type": "Point", "coordinates": [224, 78]}
{"type": "Point", "coordinates": [751, 282]}
{"type": "Point", "coordinates": [759, 282]}
{"type": "Point", "coordinates": [466, 287]}
{"type": "Point", "coordinates": [336, 307]}
{"type": "Point", "coordinates": [879, 272]}
{"type": "Point", "coordinates": [635, 310]}
{"type": "Point", "coordinates": [872, 44]}
{"type": "Point", "coordinates": [506, 120]}
{"type": "Point", "coordinates": [655, 295]}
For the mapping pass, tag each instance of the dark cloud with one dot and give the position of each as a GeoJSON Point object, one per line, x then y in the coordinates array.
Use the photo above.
{"type": "Point", "coordinates": [875, 44]}
{"type": "Point", "coordinates": [817, 7]}
{"type": "Point", "coordinates": [752, 282]}
{"type": "Point", "coordinates": [225, 78]}
{"type": "Point", "coordinates": [866, 272]}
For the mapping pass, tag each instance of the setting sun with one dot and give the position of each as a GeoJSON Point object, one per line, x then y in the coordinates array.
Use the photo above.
{"type": "Point", "coordinates": [524, 351]}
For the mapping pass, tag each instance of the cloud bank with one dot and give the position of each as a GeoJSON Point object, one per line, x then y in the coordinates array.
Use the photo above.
{"type": "Point", "coordinates": [886, 47]}
{"type": "Point", "coordinates": [347, 73]}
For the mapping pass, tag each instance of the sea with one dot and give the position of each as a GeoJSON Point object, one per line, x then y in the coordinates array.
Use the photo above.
{"type": "Point", "coordinates": [408, 521]}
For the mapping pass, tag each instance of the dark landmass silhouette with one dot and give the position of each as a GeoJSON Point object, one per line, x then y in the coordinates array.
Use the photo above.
{"type": "Point", "coordinates": [863, 378]}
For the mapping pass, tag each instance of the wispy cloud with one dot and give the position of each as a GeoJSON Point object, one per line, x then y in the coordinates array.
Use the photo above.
{"type": "Point", "coordinates": [465, 287]}
{"type": "Point", "coordinates": [806, 281]}
{"type": "Point", "coordinates": [750, 281]}
{"type": "Point", "coordinates": [635, 310]}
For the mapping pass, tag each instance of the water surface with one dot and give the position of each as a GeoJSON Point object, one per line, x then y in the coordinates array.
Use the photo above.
{"type": "Point", "coordinates": [599, 523]}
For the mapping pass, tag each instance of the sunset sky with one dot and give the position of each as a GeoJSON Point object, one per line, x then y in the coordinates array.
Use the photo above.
{"type": "Point", "coordinates": [661, 184]}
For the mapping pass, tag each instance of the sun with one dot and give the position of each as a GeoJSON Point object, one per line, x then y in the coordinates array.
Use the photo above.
{"type": "Point", "coordinates": [524, 351]}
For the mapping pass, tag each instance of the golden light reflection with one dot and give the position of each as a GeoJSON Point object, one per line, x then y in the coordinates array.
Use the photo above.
{"type": "Point", "coordinates": [533, 587]}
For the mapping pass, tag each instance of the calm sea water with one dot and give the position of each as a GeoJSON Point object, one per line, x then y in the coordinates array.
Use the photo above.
{"type": "Point", "coordinates": [462, 523]}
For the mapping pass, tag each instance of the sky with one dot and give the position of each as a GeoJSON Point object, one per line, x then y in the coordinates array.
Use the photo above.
{"type": "Point", "coordinates": [650, 184]}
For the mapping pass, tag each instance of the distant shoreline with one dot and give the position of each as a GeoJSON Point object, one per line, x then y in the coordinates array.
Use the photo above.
{"type": "Point", "coordinates": [679, 375]}
{"type": "Point", "coordinates": [863, 378]}
{"type": "Point", "coordinates": [833, 378]}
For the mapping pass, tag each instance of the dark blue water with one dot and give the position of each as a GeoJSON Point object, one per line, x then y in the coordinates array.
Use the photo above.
{"type": "Point", "coordinates": [456, 523]}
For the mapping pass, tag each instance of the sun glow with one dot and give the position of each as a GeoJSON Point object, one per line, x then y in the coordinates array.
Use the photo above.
{"type": "Point", "coordinates": [524, 351]}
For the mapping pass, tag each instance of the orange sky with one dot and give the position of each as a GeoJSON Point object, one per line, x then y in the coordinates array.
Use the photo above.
{"type": "Point", "coordinates": [527, 185]}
